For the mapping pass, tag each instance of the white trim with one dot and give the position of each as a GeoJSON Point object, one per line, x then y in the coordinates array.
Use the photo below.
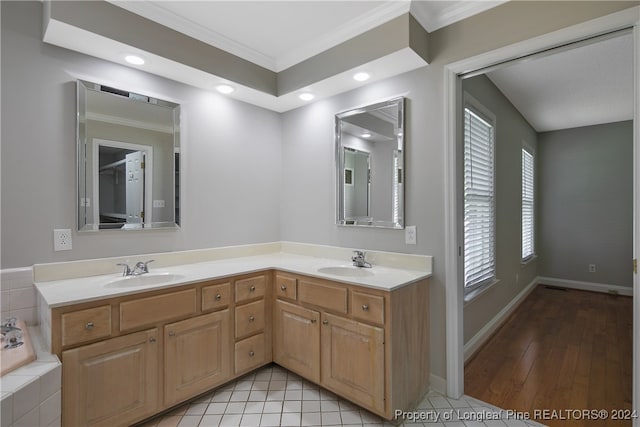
{"type": "Point", "coordinates": [586, 286]}
{"type": "Point", "coordinates": [456, 11]}
{"type": "Point", "coordinates": [128, 122]}
{"type": "Point", "coordinates": [454, 309]}
{"type": "Point", "coordinates": [474, 344]}
{"type": "Point", "coordinates": [636, 221]}
{"type": "Point", "coordinates": [148, 176]}
{"type": "Point", "coordinates": [437, 384]}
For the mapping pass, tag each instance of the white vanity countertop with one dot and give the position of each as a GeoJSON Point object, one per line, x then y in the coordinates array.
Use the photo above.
{"type": "Point", "coordinates": [58, 293]}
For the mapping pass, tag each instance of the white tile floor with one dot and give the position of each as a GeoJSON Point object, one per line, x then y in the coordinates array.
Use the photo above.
{"type": "Point", "coordinates": [272, 396]}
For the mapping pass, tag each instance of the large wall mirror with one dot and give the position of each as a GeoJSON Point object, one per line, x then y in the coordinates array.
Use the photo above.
{"type": "Point", "coordinates": [370, 165]}
{"type": "Point", "coordinates": [128, 160]}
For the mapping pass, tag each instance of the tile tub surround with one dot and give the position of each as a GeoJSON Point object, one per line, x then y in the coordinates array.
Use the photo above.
{"type": "Point", "coordinates": [273, 396]}
{"type": "Point", "coordinates": [31, 395]}
{"type": "Point", "coordinates": [82, 281]}
{"type": "Point", "coordinates": [18, 295]}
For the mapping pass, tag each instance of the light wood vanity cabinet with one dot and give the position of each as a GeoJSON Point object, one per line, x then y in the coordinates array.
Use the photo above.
{"type": "Point", "coordinates": [366, 345]}
{"type": "Point", "coordinates": [126, 369]}
{"type": "Point", "coordinates": [127, 358]}
{"type": "Point", "coordinates": [196, 356]}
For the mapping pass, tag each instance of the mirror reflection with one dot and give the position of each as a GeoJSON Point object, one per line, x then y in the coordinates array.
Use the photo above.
{"type": "Point", "coordinates": [369, 159]}
{"type": "Point", "coordinates": [128, 160]}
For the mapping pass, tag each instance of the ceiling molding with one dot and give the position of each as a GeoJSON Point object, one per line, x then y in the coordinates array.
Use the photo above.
{"type": "Point", "coordinates": [432, 18]}
{"type": "Point", "coordinates": [155, 12]}
{"type": "Point", "coordinates": [368, 21]}
{"type": "Point", "coordinates": [105, 118]}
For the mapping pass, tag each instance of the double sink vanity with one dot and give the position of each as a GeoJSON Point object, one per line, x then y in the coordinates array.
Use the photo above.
{"type": "Point", "coordinates": [134, 346]}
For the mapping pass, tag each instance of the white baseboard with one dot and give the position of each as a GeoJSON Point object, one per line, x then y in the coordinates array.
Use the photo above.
{"type": "Point", "coordinates": [438, 384]}
{"type": "Point", "coordinates": [586, 286]}
{"type": "Point", "coordinates": [487, 330]}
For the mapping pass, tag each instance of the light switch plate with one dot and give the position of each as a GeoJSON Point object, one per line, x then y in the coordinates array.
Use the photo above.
{"type": "Point", "coordinates": [62, 240]}
{"type": "Point", "coordinates": [410, 235]}
{"type": "Point", "coordinates": [158, 203]}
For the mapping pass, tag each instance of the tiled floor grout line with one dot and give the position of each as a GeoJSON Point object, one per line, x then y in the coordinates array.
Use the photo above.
{"type": "Point", "coordinates": [272, 396]}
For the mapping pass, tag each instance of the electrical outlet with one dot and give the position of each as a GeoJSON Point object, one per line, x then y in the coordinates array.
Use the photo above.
{"type": "Point", "coordinates": [62, 240]}
{"type": "Point", "coordinates": [410, 235]}
{"type": "Point", "coordinates": [592, 268]}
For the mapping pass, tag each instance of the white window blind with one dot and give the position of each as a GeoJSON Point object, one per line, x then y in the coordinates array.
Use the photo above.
{"type": "Point", "coordinates": [479, 212]}
{"type": "Point", "coordinates": [527, 205]}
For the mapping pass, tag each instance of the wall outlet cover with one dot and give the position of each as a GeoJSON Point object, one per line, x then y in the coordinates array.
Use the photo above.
{"type": "Point", "coordinates": [62, 240]}
{"type": "Point", "coordinates": [158, 203]}
{"type": "Point", "coordinates": [410, 235]}
{"type": "Point", "coordinates": [592, 268]}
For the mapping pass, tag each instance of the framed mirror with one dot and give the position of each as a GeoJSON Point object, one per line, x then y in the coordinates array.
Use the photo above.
{"type": "Point", "coordinates": [370, 165]}
{"type": "Point", "coordinates": [128, 158]}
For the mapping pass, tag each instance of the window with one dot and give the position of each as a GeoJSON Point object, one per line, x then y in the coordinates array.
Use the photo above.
{"type": "Point", "coordinates": [479, 195]}
{"type": "Point", "coordinates": [527, 205]}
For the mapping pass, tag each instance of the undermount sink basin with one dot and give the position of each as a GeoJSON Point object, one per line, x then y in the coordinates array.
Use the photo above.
{"type": "Point", "coordinates": [347, 271]}
{"type": "Point", "coordinates": [144, 280]}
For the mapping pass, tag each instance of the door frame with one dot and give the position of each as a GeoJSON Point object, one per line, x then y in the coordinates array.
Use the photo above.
{"type": "Point", "coordinates": [148, 175]}
{"type": "Point", "coordinates": [628, 18]}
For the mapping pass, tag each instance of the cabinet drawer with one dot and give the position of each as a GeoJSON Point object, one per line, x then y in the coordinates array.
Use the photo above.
{"type": "Point", "coordinates": [286, 286]}
{"type": "Point", "coordinates": [250, 353]}
{"type": "Point", "coordinates": [250, 288]}
{"type": "Point", "coordinates": [323, 295]}
{"type": "Point", "coordinates": [147, 311]}
{"type": "Point", "coordinates": [86, 325]}
{"type": "Point", "coordinates": [249, 318]}
{"type": "Point", "coordinates": [367, 307]}
{"type": "Point", "coordinates": [216, 296]}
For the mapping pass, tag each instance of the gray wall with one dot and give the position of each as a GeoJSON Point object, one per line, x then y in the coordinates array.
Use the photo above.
{"type": "Point", "coordinates": [586, 203]}
{"type": "Point", "coordinates": [230, 151]}
{"type": "Point", "coordinates": [249, 175]}
{"type": "Point", "coordinates": [511, 130]}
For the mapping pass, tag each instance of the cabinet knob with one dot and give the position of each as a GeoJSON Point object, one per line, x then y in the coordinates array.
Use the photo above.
{"type": "Point", "coordinates": [313, 320]}
{"type": "Point", "coordinates": [152, 340]}
{"type": "Point", "coordinates": [252, 318]}
{"type": "Point", "coordinates": [325, 322]}
{"type": "Point", "coordinates": [283, 288]}
{"type": "Point", "coordinates": [365, 307]}
{"type": "Point", "coordinates": [218, 297]}
{"type": "Point", "coordinates": [172, 334]}
{"type": "Point", "coordinates": [251, 353]}
{"type": "Point", "coordinates": [252, 289]}
{"type": "Point", "coordinates": [89, 326]}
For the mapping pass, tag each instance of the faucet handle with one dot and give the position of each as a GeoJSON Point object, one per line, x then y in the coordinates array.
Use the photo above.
{"type": "Point", "coordinates": [10, 322]}
{"type": "Point", "coordinates": [146, 269]}
{"type": "Point", "coordinates": [127, 269]}
{"type": "Point", "coordinates": [141, 266]}
{"type": "Point", "coordinates": [357, 255]}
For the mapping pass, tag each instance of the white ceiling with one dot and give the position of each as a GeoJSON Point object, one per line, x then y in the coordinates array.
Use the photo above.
{"type": "Point", "coordinates": [588, 85]}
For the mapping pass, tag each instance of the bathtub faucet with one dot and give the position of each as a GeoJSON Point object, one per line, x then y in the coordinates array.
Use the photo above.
{"type": "Point", "coordinates": [9, 325]}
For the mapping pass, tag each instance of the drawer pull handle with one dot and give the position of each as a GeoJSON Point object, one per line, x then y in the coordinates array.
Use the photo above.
{"type": "Point", "coordinates": [365, 307]}
{"type": "Point", "coordinates": [283, 288]}
{"type": "Point", "coordinates": [89, 326]}
{"type": "Point", "coordinates": [252, 289]}
{"type": "Point", "coordinates": [251, 353]}
{"type": "Point", "coordinates": [252, 318]}
{"type": "Point", "coordinates": [152, 340]}
{"type": "Point", "coordinates": [172, 334]}
{"type": "Point", "coordinates": [325, 322]}
{"type": "Point", "coordinates": [218, 297]}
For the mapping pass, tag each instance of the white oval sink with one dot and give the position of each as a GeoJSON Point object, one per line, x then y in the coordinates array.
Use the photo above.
{"type": "Point", "coordinates": [144, 280]}
{"type": "Point", "coordinates": [347, 271]}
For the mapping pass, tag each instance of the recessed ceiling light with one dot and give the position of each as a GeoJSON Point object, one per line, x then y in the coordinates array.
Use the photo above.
{"type": "Point", "coordinates": [134, 59]}
{"type": "Point", "coordinates": [306, 96]}
{"type": "Point", "coordinates": [226, 89]}
{"type": "Point", "coordinates": [366, 135]}
{"type": "Point", "coordinates": [361, 76]}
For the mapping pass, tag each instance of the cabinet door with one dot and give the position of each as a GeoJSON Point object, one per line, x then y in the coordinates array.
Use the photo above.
{"type": "Point", "coordinates": [111, 383]}
{"type": "Point", "coordinates": [197, 355]}
{"type": "Point", "coordinates": [353, 360]}
{"type": "Point", "coordinates": [297, 339]}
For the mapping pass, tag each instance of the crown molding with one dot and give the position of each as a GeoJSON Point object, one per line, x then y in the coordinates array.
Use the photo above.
{"type": "Point", "coordinates": [161, 15]}
{"type": "Point", "coordinates": [433, 19]}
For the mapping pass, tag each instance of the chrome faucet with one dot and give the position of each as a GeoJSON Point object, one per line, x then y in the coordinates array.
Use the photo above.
{"type": "Point", "coordinates": [358, 259]}
{"type": "Point", "coordinates": [12, 334]}
{"type": "Point", "coordinates": [140, 268]}
{"type": "Point", "coordinates": [9, 325]}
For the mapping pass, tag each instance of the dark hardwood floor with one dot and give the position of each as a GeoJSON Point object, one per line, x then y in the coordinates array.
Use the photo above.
{"type": "Point", "coordinates": [560, 350]}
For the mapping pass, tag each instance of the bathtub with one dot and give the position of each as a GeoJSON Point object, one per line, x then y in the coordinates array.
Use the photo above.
{"type": "Point", "coordinates": [30, 391]}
